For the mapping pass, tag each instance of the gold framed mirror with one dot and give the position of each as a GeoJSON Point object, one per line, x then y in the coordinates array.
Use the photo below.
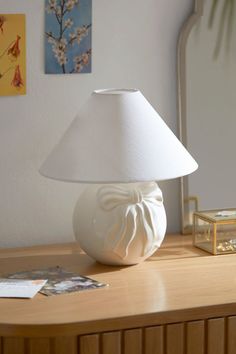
{"type": "Point", "coordinates": [206, 68]}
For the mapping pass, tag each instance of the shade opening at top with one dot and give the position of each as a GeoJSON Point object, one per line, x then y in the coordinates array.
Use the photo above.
{"type": "Point", "coordinates": [114, 91]}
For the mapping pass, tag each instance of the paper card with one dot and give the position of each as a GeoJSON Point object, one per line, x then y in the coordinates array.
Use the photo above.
{"type": "Point", "coordinates": [20, 288]}
{"type": "Point", "coordinates": [60, 281]}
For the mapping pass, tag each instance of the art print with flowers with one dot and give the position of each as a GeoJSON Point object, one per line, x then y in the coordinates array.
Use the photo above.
{"type": "Point", "coordinates": [12, 55]}
{"type": "Point", "coordinates": [68, 36]}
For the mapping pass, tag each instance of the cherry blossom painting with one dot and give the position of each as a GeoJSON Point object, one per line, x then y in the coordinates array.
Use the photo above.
{"type": "Point", "coordinates": [12, 55]}
{"type": "Point", "coordinates": [68, 25]}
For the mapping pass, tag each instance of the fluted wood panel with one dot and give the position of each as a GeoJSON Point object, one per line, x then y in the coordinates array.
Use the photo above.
{"type": "Point", "coordinates": [195, 337]}
{"type": "Point", "coordinates": [89, 344]}
{"type": "Point", "coordinates": [213, 336]}
{"type": "Point", "coordinates": [231, 335]}
{"type": "Point", "coordinates": [65, 345]}
{"type": "Point", "coordinates": [175, 339]}
{"type": "Point", "coordinates": [111, 343]}
{"type": "Point", "coordinates": [39, 346]}
{"type": "Point", "coordinates": [216, 338]}
{"type": "Point", "coordinates": [133, 341]}
{"type": "Point", "coordinates": [11, 345]}
{"type": "Point", "coordinates": [154, 340]}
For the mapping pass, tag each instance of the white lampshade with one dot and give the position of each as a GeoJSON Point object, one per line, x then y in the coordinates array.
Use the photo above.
{"type": "Point", "coordinates": [118, 137]}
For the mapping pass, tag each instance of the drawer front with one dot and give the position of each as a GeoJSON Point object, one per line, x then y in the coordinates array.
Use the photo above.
{"type": "Point", "coordinates": [213, 336]}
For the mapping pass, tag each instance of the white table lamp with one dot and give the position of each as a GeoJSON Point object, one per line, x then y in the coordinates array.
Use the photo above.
{"type": "Point", "coordinates": [119, 145]}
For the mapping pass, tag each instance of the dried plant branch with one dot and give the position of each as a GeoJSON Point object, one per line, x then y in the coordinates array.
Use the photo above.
{"type": "Point", "coordinates": [212, 13]}
{"type": "Point", "coordinates": [230, 24]}
{"type": "Point", "coordinates": [225, 25]}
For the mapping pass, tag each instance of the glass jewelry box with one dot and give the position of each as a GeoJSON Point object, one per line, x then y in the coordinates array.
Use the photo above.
{"type": "Point", "coordinates": [214, 231]}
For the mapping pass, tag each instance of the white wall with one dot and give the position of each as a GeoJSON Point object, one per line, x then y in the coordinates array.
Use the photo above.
{"type": "Point", "coordinates": [134, 45]}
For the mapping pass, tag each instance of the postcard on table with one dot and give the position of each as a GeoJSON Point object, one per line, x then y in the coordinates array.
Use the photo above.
{"type": "Point", "coordinates": [60, 280]}
{"type": "Point", "coordinates": [18, 288]}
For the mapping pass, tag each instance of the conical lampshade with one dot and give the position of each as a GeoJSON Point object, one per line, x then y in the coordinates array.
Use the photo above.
{"type": "Point", "coordinates": [118, 137]}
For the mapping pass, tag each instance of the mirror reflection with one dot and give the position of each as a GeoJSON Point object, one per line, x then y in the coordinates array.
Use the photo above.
{"type": "Point", "coordinates": [211, 109]}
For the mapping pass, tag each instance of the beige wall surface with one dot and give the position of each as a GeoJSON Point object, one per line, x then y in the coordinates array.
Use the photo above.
{"type": "Point", "coordinates": [134, 45]}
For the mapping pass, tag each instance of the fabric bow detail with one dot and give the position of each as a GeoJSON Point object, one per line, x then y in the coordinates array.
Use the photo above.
{"type": "Point", "coordinates": [138, 208]}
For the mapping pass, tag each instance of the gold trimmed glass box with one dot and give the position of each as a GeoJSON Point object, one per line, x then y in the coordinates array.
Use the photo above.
{"type": "Point", "coordinates": [214, 231]}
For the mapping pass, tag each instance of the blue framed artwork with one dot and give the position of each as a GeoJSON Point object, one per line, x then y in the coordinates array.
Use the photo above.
{"type": "Point", "coordinates": [68, 36]}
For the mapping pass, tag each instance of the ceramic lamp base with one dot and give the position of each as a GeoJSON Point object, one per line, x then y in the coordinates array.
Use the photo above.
{"type": "Point", "coordinates": [120, 224]}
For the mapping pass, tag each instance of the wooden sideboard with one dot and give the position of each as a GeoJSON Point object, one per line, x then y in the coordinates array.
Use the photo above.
{"type": "Point", "coordinates": [180, 301]}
